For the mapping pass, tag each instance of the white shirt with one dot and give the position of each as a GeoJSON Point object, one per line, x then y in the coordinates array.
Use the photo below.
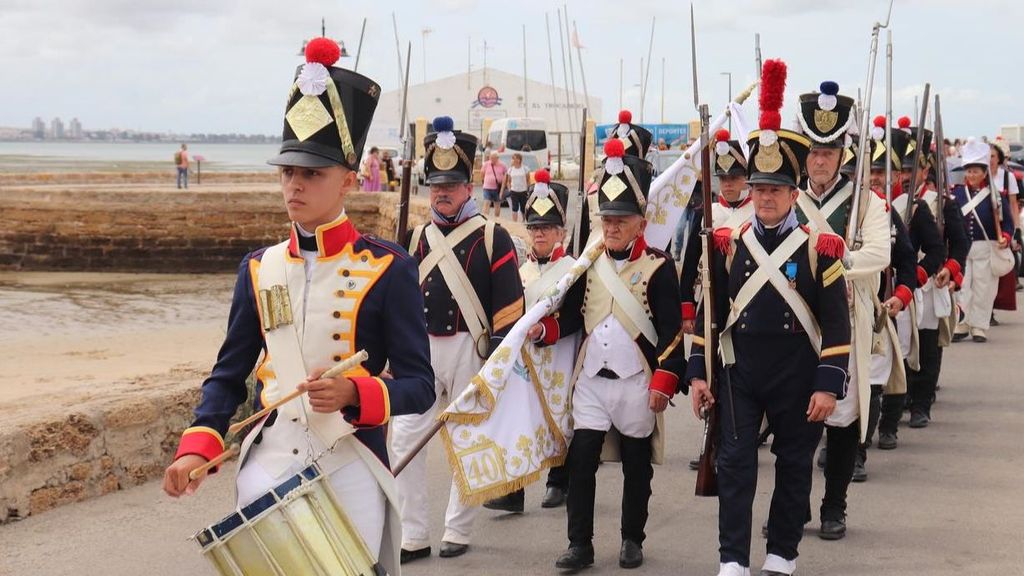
{"type": "Point", "coordinates": [518, 177]}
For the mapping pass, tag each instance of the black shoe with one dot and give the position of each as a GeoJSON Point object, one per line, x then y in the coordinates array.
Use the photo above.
{"type": "Point", "coordinates": [631, 555]}
{"type": "Point", "coordinates": [860, 473]}
{"type": "Point", "coordinates": [832, 529]}
{"type": "Point", "coordinates": [410, 555]}
{"type": "Point", "coordinates": [553, 497]}
{"type": "Point", "coordinates": [886, 440]}
{"type": "Point", "coordinates": [771, 573]}
{"type": "Point", "coordinates": [576, 558]}
{"type": "Point", "coordinates": [993, 322]}
{"type": "Point", "coordinates": [822, 458]}
{"type": "Point", "coordinates": [960, 337]}
{"type": "Point", "coordinates": [451, 549]}
{"type": "Point", "coordinates": [694, 464]}
{"type": "Point", "coordinates": [508, 503]}
{"type": "Point", "coordinates": [919, 419]}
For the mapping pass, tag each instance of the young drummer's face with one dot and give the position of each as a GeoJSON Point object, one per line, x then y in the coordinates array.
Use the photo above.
{"type": "Point", "coordinates": [878, 179]}
{"type": "Point", "coordinates": [315, 196]}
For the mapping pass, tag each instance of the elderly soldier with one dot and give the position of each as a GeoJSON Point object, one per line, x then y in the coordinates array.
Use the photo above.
{"type": "Point", "coordinates": [546, 263]}
{"type": "Point", "coordinates": [472, 295]}
{"type": "Point", "coordinates": [825, 206]}
{"type": "Point", "coordinates": [989, 226]}
{"type": "Point", "coordinates": [784, 345]}
{"type": "Point", "coordinates": [307, 303]}
{"type": "Point", "coordinates": [631, 362]}
{"type": "Point", "coordinates": [935, 296]}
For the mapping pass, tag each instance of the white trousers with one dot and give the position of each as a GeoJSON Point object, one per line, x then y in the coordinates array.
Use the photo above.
{"type": "Point", "coordinates": [455, 363]}
{"type": "Point", "coordinates": [599, 403]}
{"type": "Point", "coordinates": [978, 293]}
{"type": "Point", "coordinates": [353, 483]}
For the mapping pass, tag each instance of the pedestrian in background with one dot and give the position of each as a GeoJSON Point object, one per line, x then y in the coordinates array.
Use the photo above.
{"type": "Point", "coordinates": [371, 174]}
{"type": "Point", "coordinates": [181, 161]}
{"type": "Point", "coordinates": [494, 179]}
{"type": "Point", "coordinates": [517, 181]}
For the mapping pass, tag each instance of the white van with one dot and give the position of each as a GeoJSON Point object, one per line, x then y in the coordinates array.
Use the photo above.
{"type": "Point", "coordinates": [528, 136]}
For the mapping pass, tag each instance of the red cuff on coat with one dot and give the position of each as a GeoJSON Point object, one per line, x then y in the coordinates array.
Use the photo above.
{"type": "Point", "coordinates": [201, 441]}
{"type": "Point", "coordinates": [1008, 237]}
{"type": "Point", "coordinates": [954, 268]}
{"type": "Point", "coordinates": [922, 276]}
{"type": "Point", "coordinates": [904, 294]}
{"type": "Point", "coordinates": [551, 334]}
{"type": "Point", "coordinates": [665, 382]}
{"type": "Point", "coordinates": [689, 311]}
{"type": "Point", "coordinates": [374, 402]}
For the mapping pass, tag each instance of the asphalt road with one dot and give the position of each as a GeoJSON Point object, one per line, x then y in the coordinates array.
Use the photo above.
{"type": "Point", "coordinates": [948, 501]}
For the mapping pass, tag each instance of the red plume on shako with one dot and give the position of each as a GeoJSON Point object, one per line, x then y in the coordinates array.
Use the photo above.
{"type": "Point", "coordinates": [321, 53]}
{"type": "Point", "coordinates": [773, 87]}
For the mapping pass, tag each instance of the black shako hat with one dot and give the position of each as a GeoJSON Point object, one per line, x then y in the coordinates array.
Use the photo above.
{"type": "Point", "coordinates": [625, 182]}
{"type": "Point", "coordinates": [450, 153]}
{"type": "Point", "coordinates": [548, 201]}
{"type": "Point", "coordinates": [328, 113]}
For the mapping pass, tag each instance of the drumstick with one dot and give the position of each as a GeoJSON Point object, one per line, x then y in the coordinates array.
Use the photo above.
{"type": "Point", "coordinates": [202, 470]}
{"type": "Point", "coordinates": [338, 369]}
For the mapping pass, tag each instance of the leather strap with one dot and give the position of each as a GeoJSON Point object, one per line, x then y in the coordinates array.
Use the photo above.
{"type": "Point", "coordinates": [768, 272]}
{"type": "Point", "coordinates": [455, 277]}
{"type": "Point", "coordinates": [622, 295]}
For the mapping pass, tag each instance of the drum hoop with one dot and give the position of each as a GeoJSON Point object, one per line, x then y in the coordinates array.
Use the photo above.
{"type": "Point", "coordinates": [214, 533]}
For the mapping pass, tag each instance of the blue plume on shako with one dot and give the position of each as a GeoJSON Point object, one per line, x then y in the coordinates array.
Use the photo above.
{"type": "Point", "coordinates": [444, 124]}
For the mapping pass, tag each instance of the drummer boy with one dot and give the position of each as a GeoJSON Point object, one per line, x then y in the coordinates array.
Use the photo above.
{"type": "Point", "coordinates": [308, 303]}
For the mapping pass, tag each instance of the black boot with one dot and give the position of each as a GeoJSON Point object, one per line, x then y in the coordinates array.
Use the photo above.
{"type": "Point", "coordinates": [576, 558]}
{"type": "Point", "coordinates": [919, 418]}
{"type": "Point", "coordinates": [631, 555]}
{"type": "Point", "coordinates": [511, 502]}
{"type": "Point", "coordinates": [553, 497]}
{"type": "Point", "coordinates": [833, 529]}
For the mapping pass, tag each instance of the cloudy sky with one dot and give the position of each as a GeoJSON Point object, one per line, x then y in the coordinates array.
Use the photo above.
{"type": "Point", "coordinates": [225, 65]}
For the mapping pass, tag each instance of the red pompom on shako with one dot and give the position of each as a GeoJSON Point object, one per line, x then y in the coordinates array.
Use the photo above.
{"type": "Point", "coordinates": [625, 117]}
{"type": "Point", "coordinates": [323, 51]}
{"type": "Point", "coordinates": [542, 175]}
{"type": "Point", "coordinates": [722, 135]}
{"type": "Point", "coordinates": [613, 148]}
{"type": "Point", "coordinates": [904, 122]}
{"type": "Point", "coordinates": [879, 121]}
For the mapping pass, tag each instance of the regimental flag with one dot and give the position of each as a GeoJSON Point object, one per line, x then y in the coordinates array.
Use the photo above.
{"type": "Point", "coordinates": [513, 421]}
{"type": "Point", "coordinates": [671, 190]}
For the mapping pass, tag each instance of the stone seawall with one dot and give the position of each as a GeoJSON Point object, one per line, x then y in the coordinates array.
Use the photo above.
{"type": "Point", "coordinates": [121, 438]}
{"type": "Point", "coordinates": [135, 229]}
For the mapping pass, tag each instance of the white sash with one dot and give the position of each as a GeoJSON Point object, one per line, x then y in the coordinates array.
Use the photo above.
{"type": "Point", "coordinates": [624, 298]}
{"type": "Point", "coordinates": [818, 218]}
{"type": "Point", "coordinates": [285, 349]}
{"type": "Point", "coordinates": [974, 201]}
{"type": "Point", "coordinates": [535, 289]}
{"type": "Point", "coordinates": [768, 271]}
{"type": "Point", "coordinates": [455, 277]}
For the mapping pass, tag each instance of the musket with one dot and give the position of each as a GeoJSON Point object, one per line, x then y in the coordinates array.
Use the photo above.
{"type": "Point", "coordinates": [407, 150]}
{"type": "Point", "coordinates": [862, 173]}
{"type": "Point", "coordinates": [707, 476]}
{"type": "Point", "coordinates": [918, 152]}
{"type": "Point", "coordinates": [580, 210]}
{"type": "Point", "coordinates": [941, 185]}
{"type": "Point", "coordinates": [887, 279]}
{"type": "Point", "coordinates": [757, 55]}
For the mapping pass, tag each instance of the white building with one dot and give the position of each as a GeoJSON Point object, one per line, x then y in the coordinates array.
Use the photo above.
{"type": "Point", "coordinates": [486, 93]}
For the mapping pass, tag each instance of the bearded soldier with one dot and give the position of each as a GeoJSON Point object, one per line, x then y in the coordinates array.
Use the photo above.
{"type": "Point", "coordinates": [472, 296]}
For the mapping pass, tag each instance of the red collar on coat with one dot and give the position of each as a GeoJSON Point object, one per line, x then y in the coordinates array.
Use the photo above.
{"type": "Point", "coordinates": [331, 238]}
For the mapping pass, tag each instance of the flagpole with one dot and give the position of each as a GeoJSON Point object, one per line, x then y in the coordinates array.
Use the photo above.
{"type": "Point", "coordinates": [526, 97]}
{"type": "Point", "coordinates": [579, 58]}
{"type": "Point", "coordinates": [572, 69]}
{"type": "Point", "coordinates": [565, 73]}
{"type": "Point", "coordinates": [647, 74]}
{"type": "Point", "coordinates": [663, 90]}
{"type": "Point", "coordinates": [551, 68]}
